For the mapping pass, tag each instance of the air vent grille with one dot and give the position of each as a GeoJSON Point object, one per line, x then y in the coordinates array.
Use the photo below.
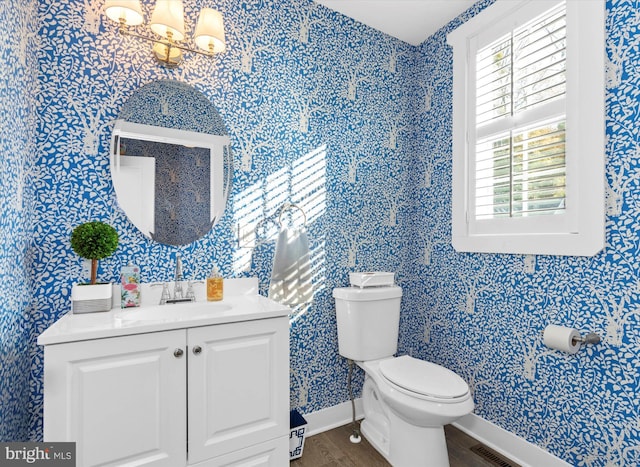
{"type": "Point", "coordinates": [492, 456]}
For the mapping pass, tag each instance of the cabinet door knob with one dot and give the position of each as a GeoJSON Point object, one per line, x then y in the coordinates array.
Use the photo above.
{"type": "Point", "coordinates": [197, 350]}
{"type": "Point", "coordinates": [178, 353]}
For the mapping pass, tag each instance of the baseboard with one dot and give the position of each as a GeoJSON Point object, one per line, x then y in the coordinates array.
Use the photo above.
{"type": "Point", "coordinates": [515, 448]}
{"type": "Point", "coordinates": [332, 417]}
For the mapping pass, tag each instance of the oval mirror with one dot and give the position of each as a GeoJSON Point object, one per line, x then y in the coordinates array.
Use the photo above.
{"type": "Point", "coordinates": [171, 162]}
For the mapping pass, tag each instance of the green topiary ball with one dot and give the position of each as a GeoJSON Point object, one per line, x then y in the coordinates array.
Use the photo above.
{"type": "Point", "coordinates": [94, 240]}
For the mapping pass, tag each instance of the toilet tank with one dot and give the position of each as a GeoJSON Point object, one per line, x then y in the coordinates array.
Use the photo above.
{"type": "Point", "coordinates": [368, 321]}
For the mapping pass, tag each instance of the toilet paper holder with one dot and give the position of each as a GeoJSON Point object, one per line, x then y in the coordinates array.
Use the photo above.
{"type": "Point", "coordinates": [590, 338]}
{"type": "Point", "coordinates": [567, 339]}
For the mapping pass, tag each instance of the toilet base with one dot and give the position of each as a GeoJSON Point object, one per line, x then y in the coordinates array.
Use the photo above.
{"type": "Point", "coordinates": [410, 445]}
{"type": "Point", "coordinates": [403, 444]}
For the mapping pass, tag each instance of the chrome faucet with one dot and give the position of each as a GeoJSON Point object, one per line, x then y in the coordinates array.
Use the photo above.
{"type": "Point", "coordinates": [177, 279]}
{"type": "Point", "coordinates": [178, 294]}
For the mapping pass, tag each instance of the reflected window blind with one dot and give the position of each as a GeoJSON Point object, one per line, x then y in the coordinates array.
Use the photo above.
{"type": "Point", "coordinates": [520, 162]}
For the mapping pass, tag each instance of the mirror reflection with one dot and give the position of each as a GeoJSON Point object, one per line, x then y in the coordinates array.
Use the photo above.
{"type": "Point", "coordinates": [171, 162]}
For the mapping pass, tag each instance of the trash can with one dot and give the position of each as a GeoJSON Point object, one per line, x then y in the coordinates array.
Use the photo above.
{"type": "Point", "coordinates": [298, 427]}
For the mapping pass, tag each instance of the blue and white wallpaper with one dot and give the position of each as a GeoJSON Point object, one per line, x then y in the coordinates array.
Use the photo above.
{"type": "Point", "coordinates": [354, 127]}
{"type": "Point", "coordinates": [483, 315]}
{"type": "Point", "coordinates": [18, 85]}
{"type": "Point", "coordinates": [318, 113]}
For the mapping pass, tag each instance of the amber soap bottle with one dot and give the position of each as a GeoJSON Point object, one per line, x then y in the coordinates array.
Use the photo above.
{"type": "Point", "coordinates": [214, 286]}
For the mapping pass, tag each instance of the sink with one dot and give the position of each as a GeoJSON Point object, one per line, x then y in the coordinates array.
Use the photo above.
{"type": "Point", "coordinates": [173, 312]}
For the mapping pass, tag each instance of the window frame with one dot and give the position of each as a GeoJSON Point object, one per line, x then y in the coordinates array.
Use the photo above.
{"type": "Point", "coordinates": [580, 230]}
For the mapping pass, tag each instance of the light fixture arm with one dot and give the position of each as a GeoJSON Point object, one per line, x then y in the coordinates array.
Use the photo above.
{"type": "Point", "coordinates": [169, 43]}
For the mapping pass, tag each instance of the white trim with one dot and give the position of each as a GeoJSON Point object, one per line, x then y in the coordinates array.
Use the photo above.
{"type": "Point", "coordinates": [125, 129]}
{"type": "Point", "coordinates": [332, 417]}
{"type": "Point", "coordinates": [512, 446]}
{"type": "Point", "coordinates": [583, 233]}
{"type": "Point", "coordinates": [486, 18]}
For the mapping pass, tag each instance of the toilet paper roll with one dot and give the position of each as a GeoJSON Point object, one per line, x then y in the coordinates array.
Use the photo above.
{"type": "Point", "coordinates": [561, 338]}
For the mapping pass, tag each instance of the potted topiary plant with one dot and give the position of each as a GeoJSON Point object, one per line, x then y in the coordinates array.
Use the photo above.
{"type": "Point", "coordinates": [95, 241]}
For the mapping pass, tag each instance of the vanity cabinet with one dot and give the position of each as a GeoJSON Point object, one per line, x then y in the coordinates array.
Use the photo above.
{"type": "Point", "coordinates": [208, 396]}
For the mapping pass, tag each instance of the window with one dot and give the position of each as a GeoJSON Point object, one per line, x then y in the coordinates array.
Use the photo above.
{"type": "Point", "coordinates": [528, 129]}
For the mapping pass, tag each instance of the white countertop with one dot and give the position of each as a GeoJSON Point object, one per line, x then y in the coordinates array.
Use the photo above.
{"type": "Point", "coordinates": [238, 305]}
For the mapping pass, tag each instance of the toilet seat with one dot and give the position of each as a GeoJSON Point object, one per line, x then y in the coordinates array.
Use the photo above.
{"type": "Point", "coordinates": [423, 378]}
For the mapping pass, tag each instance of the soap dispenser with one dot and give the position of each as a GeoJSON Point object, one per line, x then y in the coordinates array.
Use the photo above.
{"type": "Point", "coordinates": [214, 285]}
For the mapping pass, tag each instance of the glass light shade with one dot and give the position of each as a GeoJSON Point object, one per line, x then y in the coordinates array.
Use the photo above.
{"type": "Point", "coordinates": [168, 19]}
{"type": "Point", "coordinates": [128, 10]}
{"type": "Point", "coordinates": [210, 30]}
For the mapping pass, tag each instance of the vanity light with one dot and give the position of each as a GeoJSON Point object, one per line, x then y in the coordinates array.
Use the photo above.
{"type": "Point", "coordinates": [167, 21]}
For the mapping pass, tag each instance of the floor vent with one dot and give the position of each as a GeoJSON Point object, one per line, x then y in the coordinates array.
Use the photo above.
{"type": "Point", "coordinates": [492, 456]}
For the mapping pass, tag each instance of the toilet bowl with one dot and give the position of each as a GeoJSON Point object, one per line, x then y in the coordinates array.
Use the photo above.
{"type": "Point", "coordinates": [422, 393]}
{"type": "Point", "coordinates": [406, 404]}
{"type": "Point", "coordinates": [406, 401]}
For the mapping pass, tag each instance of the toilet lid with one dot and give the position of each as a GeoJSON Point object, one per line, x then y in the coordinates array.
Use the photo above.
{"type": "Point", "coordinates": [423, 377]}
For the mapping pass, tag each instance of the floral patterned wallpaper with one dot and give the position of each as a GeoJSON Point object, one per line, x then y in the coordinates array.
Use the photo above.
{"type": "Point", "coordinates": [318, 115]}
{"type": "Point", "coordinates": [18, 85]}
{"type": "Point", "coordinates": [354, 127]}
{"type": "Point", "coordinates": [483, 315]}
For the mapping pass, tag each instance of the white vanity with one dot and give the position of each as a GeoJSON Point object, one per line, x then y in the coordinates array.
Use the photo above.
{"type": "Point", "coordinates": [197, 384]}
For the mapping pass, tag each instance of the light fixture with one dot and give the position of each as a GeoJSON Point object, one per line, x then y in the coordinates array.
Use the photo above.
{"type": "Point", "coordinates": [167, 21]}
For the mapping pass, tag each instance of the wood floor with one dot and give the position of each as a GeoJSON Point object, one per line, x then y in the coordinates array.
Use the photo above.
{"type": "Point", "coordinates": [333, 448]}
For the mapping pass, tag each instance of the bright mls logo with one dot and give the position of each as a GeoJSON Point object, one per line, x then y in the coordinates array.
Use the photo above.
{"type": "Point", "coordinates": [37, 454]}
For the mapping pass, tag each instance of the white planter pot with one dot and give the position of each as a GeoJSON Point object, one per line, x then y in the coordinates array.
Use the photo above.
{"type": "Point", "coordinates": [91, 298]}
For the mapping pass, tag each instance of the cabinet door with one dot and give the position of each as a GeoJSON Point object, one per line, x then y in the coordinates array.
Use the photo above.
{"type": "Point", "coordinates": [274, 453]}
{"type": "Point", "coordinates": [121, 399]}
{"type": "Point", "coordinates": [238, 386]}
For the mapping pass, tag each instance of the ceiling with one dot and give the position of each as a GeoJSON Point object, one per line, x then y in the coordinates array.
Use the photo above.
{"type": "Point", "coordinates": [411, 21]}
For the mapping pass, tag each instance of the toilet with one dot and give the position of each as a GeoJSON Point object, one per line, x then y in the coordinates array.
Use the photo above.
{"type": "Point", "coordinates": [406, 401]}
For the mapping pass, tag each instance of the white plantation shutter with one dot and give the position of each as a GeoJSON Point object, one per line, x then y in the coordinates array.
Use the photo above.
{"type": "Point", "coordinates": [521, 172]}
{"type": "Point", "coordinates": [528, 128]}
{"type": "Point", "coordinates": [520, 120]}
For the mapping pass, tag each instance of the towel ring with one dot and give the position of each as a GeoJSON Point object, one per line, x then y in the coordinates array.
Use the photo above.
{"type": "Point", "coordinates": [289, 206]}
